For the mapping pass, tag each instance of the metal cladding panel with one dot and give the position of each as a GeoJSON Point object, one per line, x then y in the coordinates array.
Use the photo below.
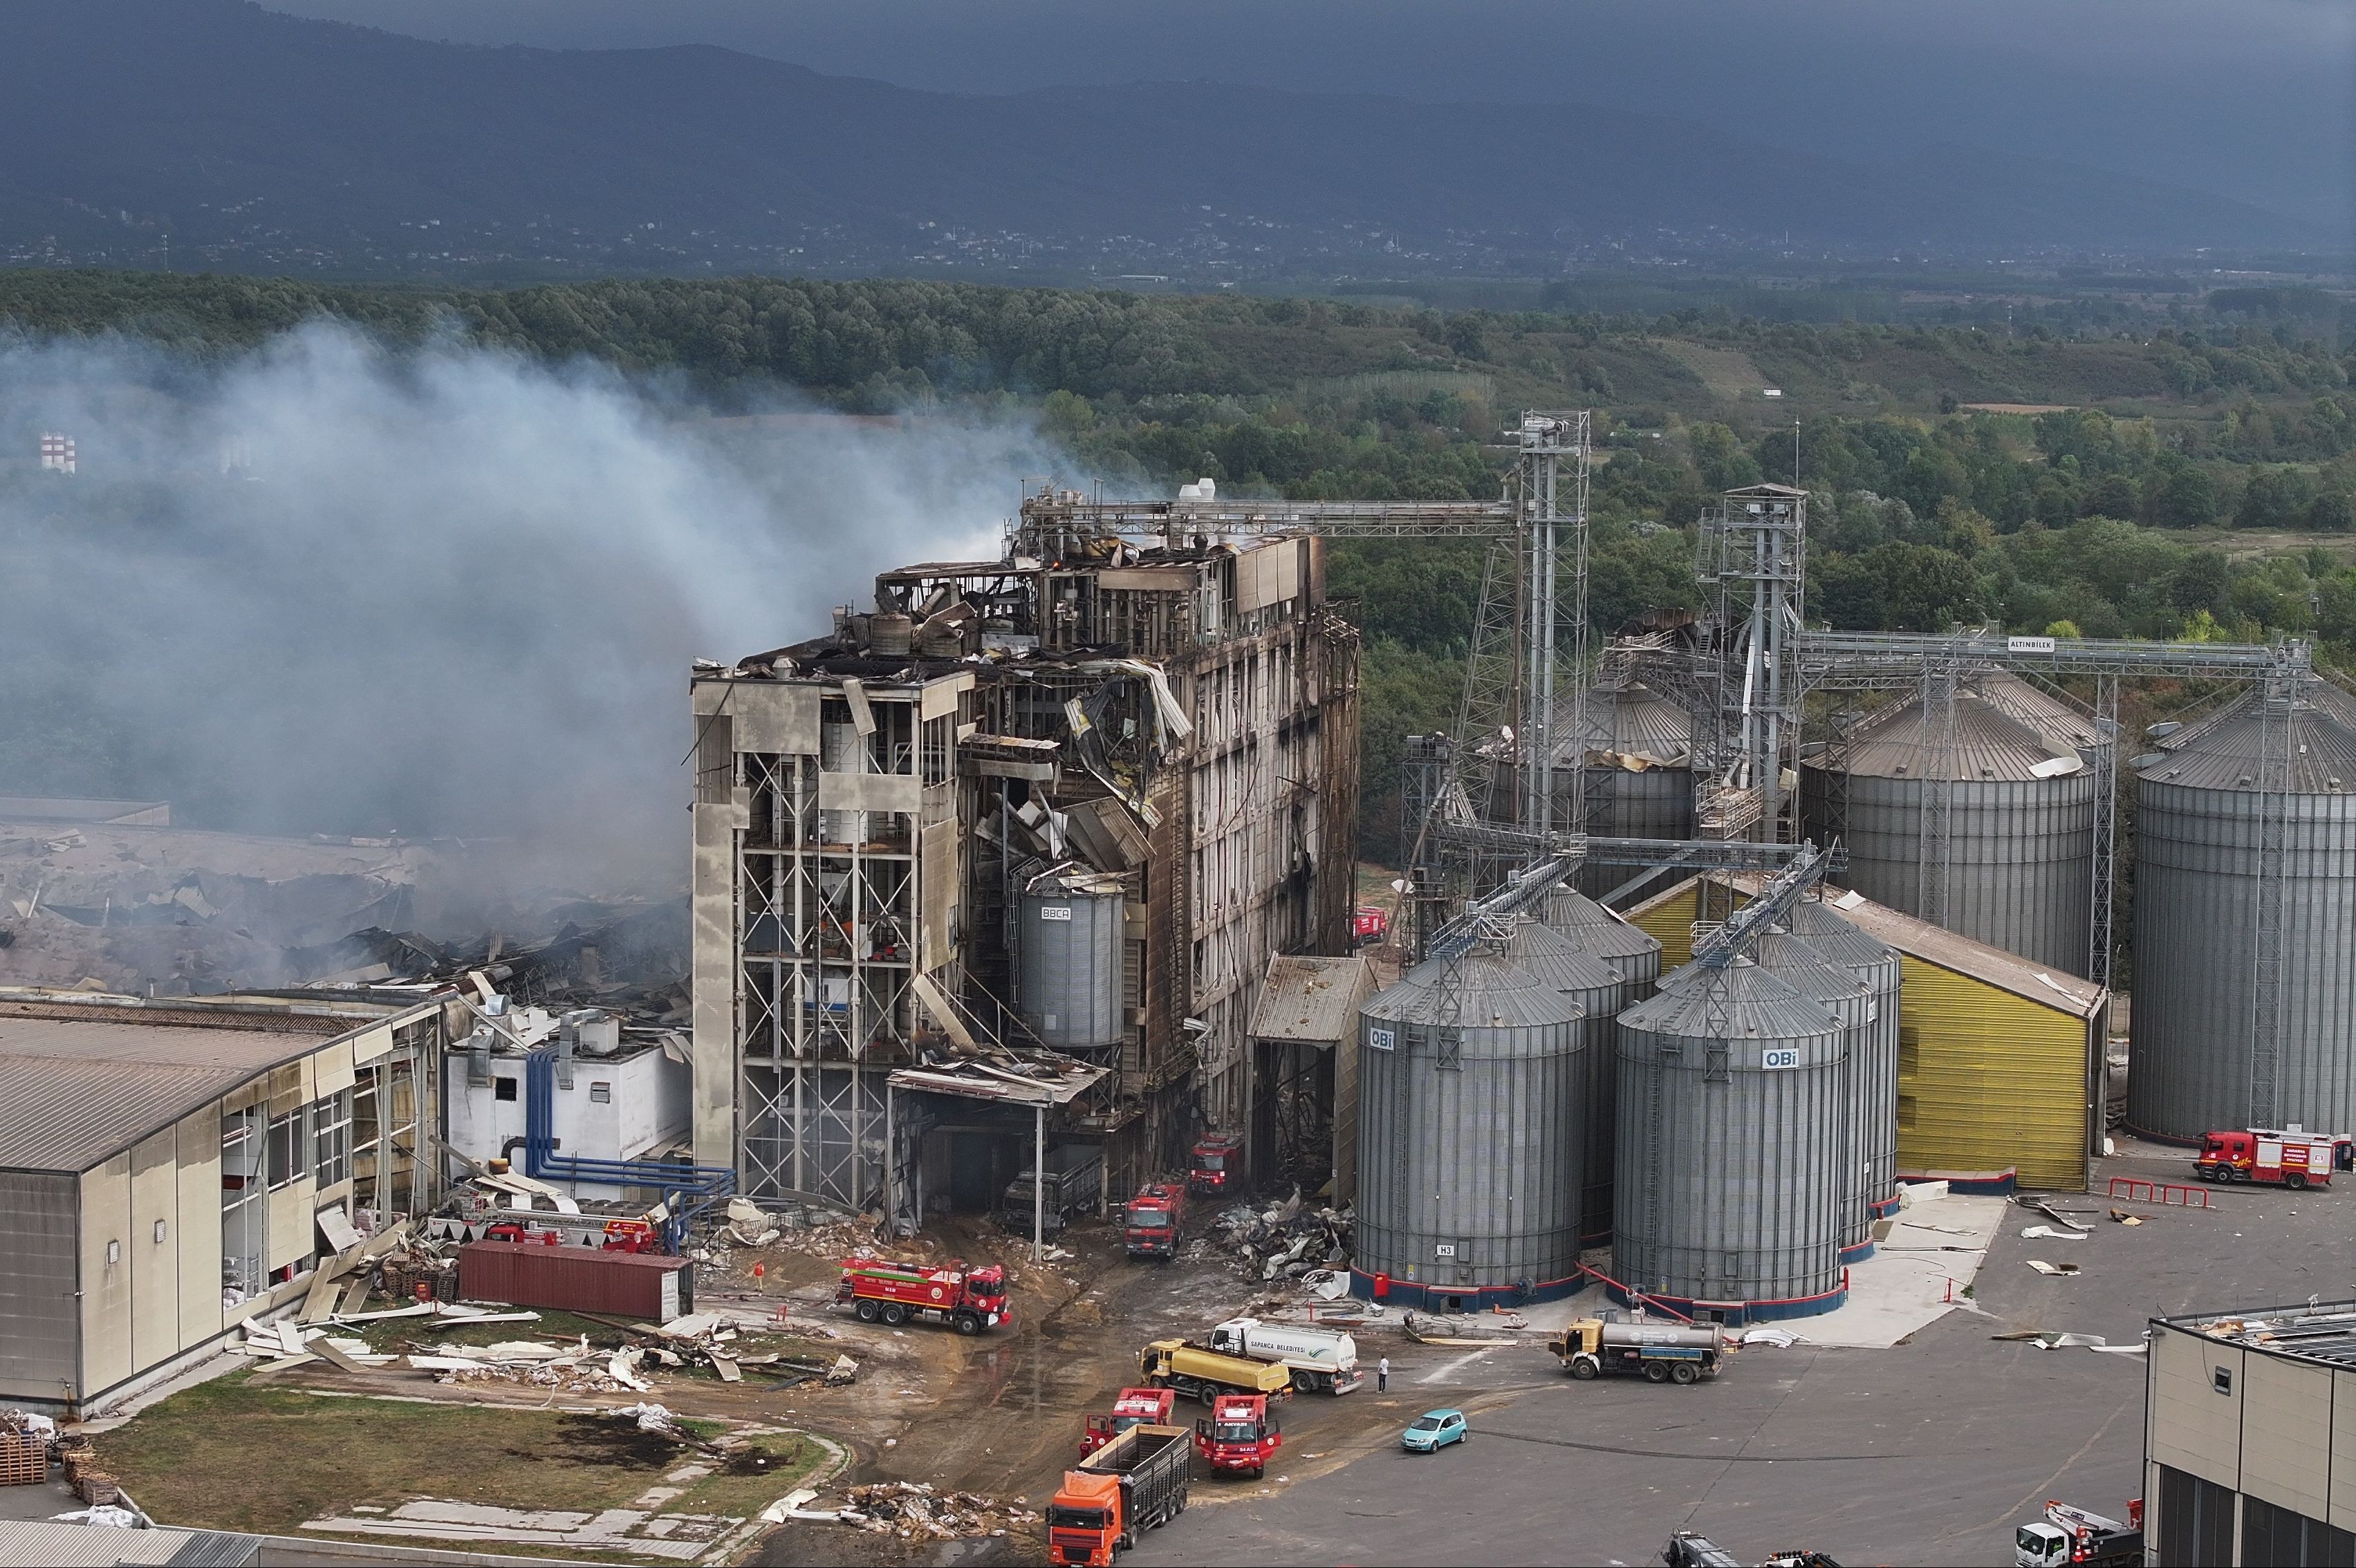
{"type": "Point", "coordinates": [1470, 1173]}
{"type": "Point", "coordinates": [1655, 804]}
{"type": "Point", "coordinates": [1069, 985]}
{"type": "Point", "coordinates": [39, 1288]}
{"type": "Point", "coordinates": [2020, 857]}
{"type": "Point", "coordinates": [573, 1279]}
{"type": "Point", "coordinates": [1873, 1058]}
{"type": "Point", "coordinates": [1995, 1080]}
{"type": "Point", "coordinates": [1733, 1140]}
{"type": "Point", "coordinates": [2196, 924]}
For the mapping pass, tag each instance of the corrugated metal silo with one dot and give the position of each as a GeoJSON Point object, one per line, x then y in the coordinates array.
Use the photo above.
{"type": "Point", "coordinates": [1734, 1102]}
{"type": "Point", "coordinates": [1635, 957]}
{"type": "Point", "coordinates": [1468, 1170]}
{"type": "Point", "coordinates": [2019, 816]}
{"type": "Point", "coordinates": [2213, 850]}
{"type": "Point", "coordinates": [1602, 993]}
{"type": "Point", "coordinates": [1069, 982]}
{"type": "Point", "coordinates": [1636, 748]}
{"type": "Point", "coordinates": [1873, 1072]}
{"type": "Point", "coordinates": [1842, 992]}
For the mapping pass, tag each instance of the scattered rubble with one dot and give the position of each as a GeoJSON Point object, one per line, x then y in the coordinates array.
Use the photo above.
{"type": "Point", "coordinates": [913, 1511]}
{"type": "Point", "coordinates": [1289, 1241]}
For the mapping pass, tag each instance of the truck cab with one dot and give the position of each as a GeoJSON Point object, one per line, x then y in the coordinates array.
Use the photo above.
{"type": "Point", "coordinates": [1084, 1521]}
{"type": "Point", "coordinates": [1150, 1227]}
{"type": "Point", "coordinates": [1135, 1407]}
{"type": "Point", "coordinates": [2072, 1536]}
{"type": "Point", "coordinates": [1238, 1435]}
{"type": "Point", "coordinates": [1217, 1165]}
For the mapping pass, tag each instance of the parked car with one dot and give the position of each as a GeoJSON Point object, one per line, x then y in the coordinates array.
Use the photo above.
{"type": "Point", "coordinates": [1433, 1430]}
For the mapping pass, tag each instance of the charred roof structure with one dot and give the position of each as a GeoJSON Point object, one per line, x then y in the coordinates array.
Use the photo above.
{"type": "Point", "coordinates": [1140, 754]}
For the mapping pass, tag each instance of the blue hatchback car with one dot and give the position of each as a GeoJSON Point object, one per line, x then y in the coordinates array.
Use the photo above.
{"type": "Point", "coordinates": [1434, 1430]}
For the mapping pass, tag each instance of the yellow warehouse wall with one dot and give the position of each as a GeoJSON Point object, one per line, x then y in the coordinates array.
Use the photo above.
{"type": "Point", "coordinates": [1670, 923]}
{"type": "Point", "coordinates": [1996, 1081]}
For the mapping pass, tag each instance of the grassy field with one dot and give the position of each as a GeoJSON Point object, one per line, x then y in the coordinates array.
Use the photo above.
{"type": "Point", "coordinates": [234, 1455]}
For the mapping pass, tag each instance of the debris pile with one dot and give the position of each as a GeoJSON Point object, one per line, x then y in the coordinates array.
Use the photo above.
{"type": "Point", "coordinates": [1290, 1240]}
{"type": "Point", "coordinates": [813, 1228]}
{"type": "Point", "coordinates": [913, 1511]}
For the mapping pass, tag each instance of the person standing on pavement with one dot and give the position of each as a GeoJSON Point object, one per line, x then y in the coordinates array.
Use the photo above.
{"type": "Point", "coordinates": [1383, 1375]}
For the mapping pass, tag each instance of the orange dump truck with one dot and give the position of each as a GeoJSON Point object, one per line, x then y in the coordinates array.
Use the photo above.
{"type": "Point", "coordinates": [1131, 1485]}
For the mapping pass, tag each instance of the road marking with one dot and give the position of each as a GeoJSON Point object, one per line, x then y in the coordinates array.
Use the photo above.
{"type": "Point", "coordinates": [1450, 1369]}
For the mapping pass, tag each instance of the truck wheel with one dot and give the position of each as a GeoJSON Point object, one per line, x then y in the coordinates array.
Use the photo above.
{"type": "Point", "coordinates": [1684, 1372]}
{"type": "Point", "coordinates": [1655, 1373]}
{"type": "Point", "coordinates": [2298, 1180]}
{"type": "Point", "coordinates": [1257, 1471]}
{"type": "Point", "coordinates": [866, 1312]}
{"type": "Point", "coordinates": [895, 1313]}
{"type": "Point", "coordinates": [1583, 1370]}
{"type": "Point", "coordinates": [1304, 1383]}
{"type": "Point", "coordinates": [968, 1323]}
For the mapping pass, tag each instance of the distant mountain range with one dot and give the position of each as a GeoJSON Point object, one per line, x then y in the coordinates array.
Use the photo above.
{"type": "Point", "coordinates": [210, 131]}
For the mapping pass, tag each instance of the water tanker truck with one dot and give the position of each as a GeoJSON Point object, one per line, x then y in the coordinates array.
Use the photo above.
{"type": "Point", "coordinates": [1322, 1361]}
{"type": "Point", "coordinates": [1661, 1353]}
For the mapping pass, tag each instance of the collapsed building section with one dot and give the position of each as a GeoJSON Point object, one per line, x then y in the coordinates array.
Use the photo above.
{"type": "Point", "coordinates": [1026, 816]}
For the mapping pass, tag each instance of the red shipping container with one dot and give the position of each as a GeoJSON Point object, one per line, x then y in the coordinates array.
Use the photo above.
{"type": "Point", "coordinates": [577, 1279]}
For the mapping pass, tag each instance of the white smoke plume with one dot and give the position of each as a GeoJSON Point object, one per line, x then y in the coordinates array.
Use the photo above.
{"type": "Point", "coordinates": [326, 588]}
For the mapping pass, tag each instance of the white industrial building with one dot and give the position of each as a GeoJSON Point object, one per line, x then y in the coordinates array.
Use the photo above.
{"type": "Point", "coordinates": [169, 1168]}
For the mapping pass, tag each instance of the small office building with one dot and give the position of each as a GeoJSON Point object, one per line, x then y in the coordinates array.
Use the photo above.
{"type": "Point", "coordinates": [2248, 1418]}
{"type": "Point", "coordinates": [169, 1167]}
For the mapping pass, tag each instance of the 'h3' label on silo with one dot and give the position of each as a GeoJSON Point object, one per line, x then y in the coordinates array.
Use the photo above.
{"type": "Point", "coordinates": [1779, 1056]}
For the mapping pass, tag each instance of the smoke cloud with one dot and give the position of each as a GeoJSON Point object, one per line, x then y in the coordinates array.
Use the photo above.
{"type": "Point", "coordinates": [326, 588]}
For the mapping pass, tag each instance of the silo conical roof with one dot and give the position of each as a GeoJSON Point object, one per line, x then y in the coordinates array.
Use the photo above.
{"type": "Point", "coordinates": [1494, 990]}
{"type": "Point", "coordinates": [1592, 926]}
{"type": "Point", "coordinates": [1629, 719]}
{"type": "Point", "coordinates": [1737, 1001]}
{"type": "Point", "coordinates": [2004, 729]}
{"type": "Point", "coordinates": [1806, 970]}
{"type": "Point", "coordinates": [1835, 936]}
{"type": "Point", "coordinates": [1556, 960]}
{"type": "Point", "coordinates": [2228, 751]}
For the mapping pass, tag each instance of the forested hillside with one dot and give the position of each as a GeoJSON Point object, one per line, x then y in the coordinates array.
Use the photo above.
{"type": "Point", "coordinates": [2195, 480]}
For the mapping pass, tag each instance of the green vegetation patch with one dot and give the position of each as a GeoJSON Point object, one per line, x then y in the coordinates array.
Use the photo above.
{"type": "Point", "coordinates": [241, 1455]}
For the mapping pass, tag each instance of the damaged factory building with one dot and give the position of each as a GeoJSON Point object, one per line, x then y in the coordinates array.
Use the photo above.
{"type": "Point", "coordinates": [1001, 864]}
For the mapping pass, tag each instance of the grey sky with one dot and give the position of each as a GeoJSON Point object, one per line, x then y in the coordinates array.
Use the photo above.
{"type": "Point", "coordinates": [2250, 98]}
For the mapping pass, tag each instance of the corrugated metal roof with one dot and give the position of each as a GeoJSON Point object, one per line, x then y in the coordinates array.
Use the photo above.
{"type": "Point", "coordinates": [2223, 752]}
{"type": "Point", "coordinates": [74, 1093]}
{"type": "Point", "coordinates": [1936, 944]}
{"type": "Point", "coordinates": [1835, 938]}
{"type": "Point", "coordinates": [216, 1549]}
{"type": "Point", "coordinates": [2005, 730]}
{"type": "Point", "coordinates": [1310, 1000]}
{"type": "Point", "coordinates": [1741, 1001]}
{"type": "Point", "coordinates": [2007, 971]}
{"type": "Point", "coordinates": [1629, 719]}
{"type": "Point", "coordinates": [86, 1545]}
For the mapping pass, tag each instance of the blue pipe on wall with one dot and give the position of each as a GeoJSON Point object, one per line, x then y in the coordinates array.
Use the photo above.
{"type": "Point", "coordinates": [687, 1189]}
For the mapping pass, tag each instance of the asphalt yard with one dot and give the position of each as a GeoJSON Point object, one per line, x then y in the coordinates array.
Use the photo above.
{"type": "Point", "coordinates": [1928, 1452]}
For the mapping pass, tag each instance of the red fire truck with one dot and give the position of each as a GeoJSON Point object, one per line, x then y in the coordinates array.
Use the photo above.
{"type": "Point", "coordinates": [1238, 1437]}
{"type": "Point", "coordinates": [1369, 924]}
{"type": "Point", "coordinates": [2263, 1155]}
{"type": "Point", "coordinates": [1135, 1407]}
{"type": "Point", "coordinates": [968, 1299]}
{"type": "Point", "coordinates": [1219, 1164]}
{"type": "Point", "coordinates": [1154, 1216]}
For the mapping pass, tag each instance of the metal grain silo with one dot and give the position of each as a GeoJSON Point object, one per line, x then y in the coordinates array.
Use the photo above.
{"type": "Point", "coordinates": [1873, 1070]}
{"type": "Point", "coordinates": [1068, 979]}
{"type": "Point", "coordinates": [1469, 1170]}
{"type": "Point", "coordinates": [1734, 1145]}
{"type": "Point", "coordinates": [1602, 993]}
{"type": "Point", "coordinates": [1636, 748]}
{"type": "Point", "coordinates": [2019, 816]}
{"type": "Point", "coordinates": [2246, 922]}
{"type": "Point", "coordinates": [1849, 997]}
{"type": "Point", "coordinates": [1634, 956]}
